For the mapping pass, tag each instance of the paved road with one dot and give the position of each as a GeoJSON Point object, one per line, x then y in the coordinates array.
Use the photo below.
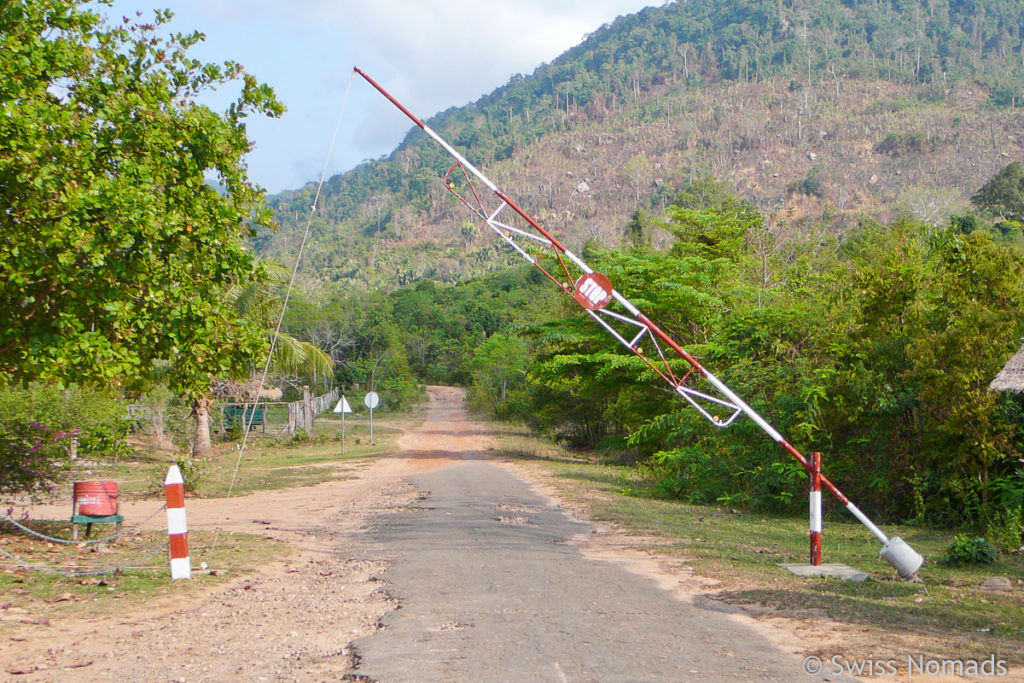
{"type": "Point", "coordinates": [490, 591]}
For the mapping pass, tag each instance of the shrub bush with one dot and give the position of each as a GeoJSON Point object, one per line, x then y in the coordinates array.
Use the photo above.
{"type": "Point", "coordinates": [191, 472]}
{"type": "Point", "coordinates": [32, 456]}
{"type": "Point", "coordinates": [970, 550]}
{"type": "Point", "coordinates": [36, 424]}
{"type": "Point", "coordinates": [1005, 529]}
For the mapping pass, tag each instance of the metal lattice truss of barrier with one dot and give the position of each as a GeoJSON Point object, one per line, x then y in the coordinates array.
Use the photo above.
{"type": "Point", "coordinates": [711, 397]}
{"type": "Point", "coordinates": [594, 292]}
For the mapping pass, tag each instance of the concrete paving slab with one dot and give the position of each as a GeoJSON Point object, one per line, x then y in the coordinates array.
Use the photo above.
{"type": "Point", "coordinates": [827, 571]}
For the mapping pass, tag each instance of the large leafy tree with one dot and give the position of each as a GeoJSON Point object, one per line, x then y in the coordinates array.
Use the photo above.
{"type": "Point", "coordinates": [115, 248]}
{"type": "Point", "coordinates": [1003, 194]}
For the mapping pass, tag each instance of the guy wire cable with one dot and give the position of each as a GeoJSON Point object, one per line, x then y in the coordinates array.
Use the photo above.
{"type": "Point", "coordinates": [287, 297]}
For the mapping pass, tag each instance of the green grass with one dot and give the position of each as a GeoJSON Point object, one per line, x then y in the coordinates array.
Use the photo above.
{"type": "Point", "coordinates": [32, 595]}
{"type": "Point", "coordinates": [66, 587]}
{"type": "Point", "coordinates": [275, 464]}
{"type": "Point", "coordinates": [270, 461]}
{"type": "Point", "coordinates": [949, 613]}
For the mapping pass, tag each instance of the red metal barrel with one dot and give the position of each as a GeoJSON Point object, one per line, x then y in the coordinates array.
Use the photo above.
{"type": "Point", "coordinates": [95, 498]}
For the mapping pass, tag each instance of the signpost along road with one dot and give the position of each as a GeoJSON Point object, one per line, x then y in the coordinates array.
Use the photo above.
{"type": "Point", "coordinates": [372, 400]}
{"type": "Point", "coordinates": [343, 407]}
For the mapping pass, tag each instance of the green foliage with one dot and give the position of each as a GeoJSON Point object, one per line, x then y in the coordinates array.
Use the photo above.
{"type": "Point", "coordinates": [100, 415]}
{"type": "Point", "coordinates": [442, 327]}
{"type": "Point", "coordinates": [361, 336]}
{"type": "Point", "coordinates": [1005, 529]}
{"type": "Point", "coordinates": [38, 423]}
{"type": "Point", "coordinates": [878, 352]}
{"type": "Point", "coordinates": [809, 185]}
{"type": "Point", "coordinates": [192, 472]}
{"type": "Point", "coordinates": [97, 417]}
{"type": "Point", "coordinates": [32, 456]}
{"type": "Point", "coordinates": [259, 303]}
{"type": "Point", "coordinates": [706, 192]}
{"type": "Point", "coordinates": [116, 251]}
{"type": "Point", "coordinates": [969, 550]}
{"type": "Point", "coordinates": [1003, 194]}
{"type": "Point", "coordinates": [904, 144]}
{"type": "Point", "coordinates": [498, 370]}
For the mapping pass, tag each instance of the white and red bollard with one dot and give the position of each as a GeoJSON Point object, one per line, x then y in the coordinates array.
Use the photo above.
{"type": "Point", "coordinates": [815, 509]}
{"type": "Point", "coordinates": [177, 526]}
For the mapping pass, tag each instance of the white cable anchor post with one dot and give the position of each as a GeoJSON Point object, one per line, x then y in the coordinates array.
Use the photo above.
{"type": "Point", "coordinates": [177, 526]}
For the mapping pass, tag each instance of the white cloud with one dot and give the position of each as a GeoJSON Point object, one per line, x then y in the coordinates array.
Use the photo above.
{"type": "Point", "coordinates": [441, 54]}
{"type": "Point", "coordinates": [431, 55]}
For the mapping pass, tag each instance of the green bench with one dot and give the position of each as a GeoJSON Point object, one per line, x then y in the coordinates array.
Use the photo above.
{"type": "Point", "coordinates": [89, 520]}
{"type": "Point", "coordinates": [238, 415]}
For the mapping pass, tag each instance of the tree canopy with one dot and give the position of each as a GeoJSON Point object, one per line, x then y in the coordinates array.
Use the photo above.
{"type": "Point", "coordinates": [115, 248]}
{"type": "Point", "coordinates": [875, 347]}
{"type": "Point", "coordinates": [1003, 194]}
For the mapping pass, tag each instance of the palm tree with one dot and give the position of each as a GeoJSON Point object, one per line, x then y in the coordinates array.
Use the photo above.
{"type": "Point", "coordinates": [259, 303]}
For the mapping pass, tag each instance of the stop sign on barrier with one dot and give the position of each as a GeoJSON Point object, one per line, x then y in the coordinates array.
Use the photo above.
{"type": "Point", "coordinates": [593, 291]}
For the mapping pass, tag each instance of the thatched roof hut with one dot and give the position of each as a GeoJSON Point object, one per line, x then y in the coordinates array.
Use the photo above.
{"type": "Point", "coordinates": [1011, 377]}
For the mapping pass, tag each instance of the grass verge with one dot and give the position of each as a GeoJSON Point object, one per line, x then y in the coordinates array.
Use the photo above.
{"type": "Point", "coordinates": [41, 580]}
{"type": "Point", "coordinates": [269, 462]}
{"type": "Point", "coordinates": [949, 616]}
{"type": "Point", "coordinates": [77, 579]}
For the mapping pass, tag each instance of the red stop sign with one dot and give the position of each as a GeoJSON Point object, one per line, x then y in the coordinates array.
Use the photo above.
{"type": "Point", "coordinates": [593, 291]}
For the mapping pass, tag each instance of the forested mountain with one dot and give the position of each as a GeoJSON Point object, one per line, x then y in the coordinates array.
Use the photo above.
{"type": "Point", "coordinates": [817, 111]}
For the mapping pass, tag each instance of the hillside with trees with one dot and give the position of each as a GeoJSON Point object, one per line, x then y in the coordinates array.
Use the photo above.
{"type": "Point", "coordinates": [816, 111]}
{"type": "Point", "coordinates": [822, 201]}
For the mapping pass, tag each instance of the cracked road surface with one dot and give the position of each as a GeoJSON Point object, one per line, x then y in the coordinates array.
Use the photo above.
{"type": "Point", "coordinates": [490, 589]}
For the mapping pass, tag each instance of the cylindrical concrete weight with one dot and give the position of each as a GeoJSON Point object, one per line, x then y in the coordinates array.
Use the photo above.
{"type": "Point", "coordinates": [95, 498]}
{"type": "Point", "coordinates": [902, 557]}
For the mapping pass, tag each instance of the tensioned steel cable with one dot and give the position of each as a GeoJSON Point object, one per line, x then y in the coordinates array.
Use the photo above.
{"type": "Point", "coordinates": [287, 297]}
{"type": "Point", "coordinates": [63, 541]}
{"type": "Point", "coordinates": [47, 569]}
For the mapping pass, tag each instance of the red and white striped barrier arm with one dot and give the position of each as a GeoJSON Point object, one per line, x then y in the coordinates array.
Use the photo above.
{"type": "Point", "coordinates": [177, 526]}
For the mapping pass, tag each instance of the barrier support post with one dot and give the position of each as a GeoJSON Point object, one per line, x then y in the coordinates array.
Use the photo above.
{"type": "Point", "coordinates": [815, 524]}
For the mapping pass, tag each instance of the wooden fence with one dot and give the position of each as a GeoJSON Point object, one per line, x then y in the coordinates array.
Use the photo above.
{"type": "Point", "coordinates": [302, 413]}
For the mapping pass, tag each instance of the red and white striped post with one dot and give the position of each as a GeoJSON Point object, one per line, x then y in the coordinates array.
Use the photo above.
{"type": "Point", "coordinates": [177, 527]}
{"type": "Point", "coordinates": [816, 509]}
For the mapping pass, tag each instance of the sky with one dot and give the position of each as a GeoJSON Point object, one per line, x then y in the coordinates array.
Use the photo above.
{"type": "Point", "coordinates": [429, 55]}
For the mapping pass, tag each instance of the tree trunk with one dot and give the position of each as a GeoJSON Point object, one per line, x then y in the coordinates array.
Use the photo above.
{"type": "Point", "coordinates": [201, 412]}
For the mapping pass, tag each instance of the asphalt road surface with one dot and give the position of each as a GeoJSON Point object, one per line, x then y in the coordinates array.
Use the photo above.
{"type": "Point", "coordinates": [490, 590]}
